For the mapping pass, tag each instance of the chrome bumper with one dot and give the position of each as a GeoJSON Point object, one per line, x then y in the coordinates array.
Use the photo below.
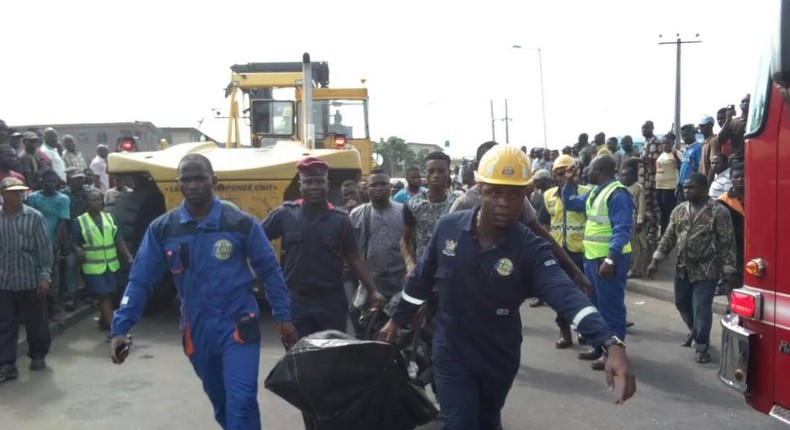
{"type": "Point", "coordinates": [735, 346]}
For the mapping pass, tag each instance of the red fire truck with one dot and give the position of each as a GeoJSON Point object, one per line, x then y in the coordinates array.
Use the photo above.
{"type": "Point", "coordinates": [756, 337]}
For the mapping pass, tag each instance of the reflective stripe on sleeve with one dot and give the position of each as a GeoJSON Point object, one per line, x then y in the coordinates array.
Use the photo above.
{"type": "Point", "coordinates": [125, 300]}
{"type": "Point", "coordinates": [413, 300]}
{"type": "Point", "coordinates": [583, 314]}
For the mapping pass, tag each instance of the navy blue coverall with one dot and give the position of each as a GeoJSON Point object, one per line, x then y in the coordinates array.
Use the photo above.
{"type": "Point", "coordinates": [210, 262]}
{"type": "Point", "coordinates": [314, 251]}
{"type": "Point", "coordinates": [477, 328]}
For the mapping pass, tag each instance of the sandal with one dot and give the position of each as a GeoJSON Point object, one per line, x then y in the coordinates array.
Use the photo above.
{"type": "Point", "coordinates": [702, 357]}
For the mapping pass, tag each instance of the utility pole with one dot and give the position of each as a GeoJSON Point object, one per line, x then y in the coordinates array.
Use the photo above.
{"type": "Point", "coordinates": [678, 43]}
{"type": "Point", "coordinates": [507, 122]}
{"type": "Point", "coordinates": [493, 126]}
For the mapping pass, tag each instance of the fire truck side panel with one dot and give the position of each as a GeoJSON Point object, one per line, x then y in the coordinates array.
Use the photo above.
{"type": "Point", "coordinates": [762, 213]}
{"type": "Point", "coordinates": [781, 316]}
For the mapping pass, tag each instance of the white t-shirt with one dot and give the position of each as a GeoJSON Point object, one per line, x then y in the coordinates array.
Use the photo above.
{"type": "Point", "coordinates": [666, 172]}
{"type": "Point", "coordinates": [58, 165]}
{"type": "Point", "coordinates": [99, 167]}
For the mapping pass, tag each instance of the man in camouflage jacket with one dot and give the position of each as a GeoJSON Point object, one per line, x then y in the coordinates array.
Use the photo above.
{"type": "Point", "coordinates": [701, 231]}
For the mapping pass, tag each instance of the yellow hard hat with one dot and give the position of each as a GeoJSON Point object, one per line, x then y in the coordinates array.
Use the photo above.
{"type": "Point", "coordinates": [504, 165]}
{"type": "Point", "coordinates": [563, 160]}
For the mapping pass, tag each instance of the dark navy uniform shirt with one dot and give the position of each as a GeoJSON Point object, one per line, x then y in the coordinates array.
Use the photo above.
{"type": "Point", "coordinates": [314, 248]}
{"type": "Point", "coordinates": [481, 290]}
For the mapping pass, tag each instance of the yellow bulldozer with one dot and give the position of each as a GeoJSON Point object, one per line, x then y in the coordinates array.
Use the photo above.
{"type": "Point", "coordinates": [306, 119]}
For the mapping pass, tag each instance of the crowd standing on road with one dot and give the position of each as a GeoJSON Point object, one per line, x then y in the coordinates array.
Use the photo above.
{"type": "Point", "coordinates": [568, 228]}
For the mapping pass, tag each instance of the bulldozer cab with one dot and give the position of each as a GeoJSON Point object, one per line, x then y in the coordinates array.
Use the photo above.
{"type": "Point", "coordinates": [280, 107]}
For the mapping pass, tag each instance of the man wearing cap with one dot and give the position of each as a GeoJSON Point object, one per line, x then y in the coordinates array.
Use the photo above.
{"type": "Point", "coordinates": [25, 267]}
{"type": "Point", "coordinates": [607, 250]}
{"type": "Point", "coordinates": [15, 140]}
{"type": "Point", "coordinates": [32, 160]}
{"type": "Point", "coordinates": [710, 146]}
{"type": "Point", "coordinates": [529, 218]}
{"type": "Point", "coordinates": [212, 251]}
{"type": "Point", "coordinates": [317, 239]}
{"type": "Point", "coordinates": [484, 263]}
{"type": "Point", "coordinates": [567, 228]}
{"type": "Point", "coordinates": [78, 195]}
{"type": "Point", "coordinates": [99, 166]}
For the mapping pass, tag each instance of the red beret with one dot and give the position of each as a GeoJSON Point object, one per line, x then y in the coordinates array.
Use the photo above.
{"type": "Point", "coordinates": [312, 166]}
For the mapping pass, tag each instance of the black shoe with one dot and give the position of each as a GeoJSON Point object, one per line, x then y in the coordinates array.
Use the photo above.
{"type": "Point", "coordinates": [688, 340]}
{"type": "Point", "coordinates": [37, 364]}
{"type": "Point", "coordinates": [629, 324]}
{"type": "Point", "coordinates": [8, 372]}
{"type": "Point", "coordinates": [536, 303]}
{"type": "Point", "coordinates": [702, 357]}
{"type": "Point", "coordinates": [599, 364]}
{"type": "Point", "coordinates": [592, 354]}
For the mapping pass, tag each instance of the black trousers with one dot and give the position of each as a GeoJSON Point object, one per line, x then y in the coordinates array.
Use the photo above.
{"type": "Point", "coordinates": [23, 307]}
{"type": "Point", "coordinates": [667, 200]}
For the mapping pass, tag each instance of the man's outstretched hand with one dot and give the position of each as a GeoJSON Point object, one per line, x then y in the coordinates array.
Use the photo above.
{"type": "Point", "coordinates": [619, 373]}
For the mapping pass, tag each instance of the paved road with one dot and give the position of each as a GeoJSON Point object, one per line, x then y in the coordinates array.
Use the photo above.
{"type": "Point", "coordinates": [156, 388]}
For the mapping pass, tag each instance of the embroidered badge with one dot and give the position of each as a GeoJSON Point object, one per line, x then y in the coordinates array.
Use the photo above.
{"type": "Point", "coordinates": [223, 249]}
{"type": "Point", "coordinates": [504, 267]}
{"type": "Point", "coordinates": [449, 248]}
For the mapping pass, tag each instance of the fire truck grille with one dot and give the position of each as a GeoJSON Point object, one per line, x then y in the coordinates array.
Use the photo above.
{"type": "Point", "coordinates": [781, 413]}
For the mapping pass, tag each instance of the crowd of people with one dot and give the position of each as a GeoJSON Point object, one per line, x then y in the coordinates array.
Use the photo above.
{"type": "Point", "coordinates": [46, 181]}
{"type": "Point", "coordinates": [591, 216]}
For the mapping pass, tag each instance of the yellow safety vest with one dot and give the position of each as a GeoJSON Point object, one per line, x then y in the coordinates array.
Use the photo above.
{"type": "Point", "coordinates": [99, 246]}
{"type": "Point", "coordinates": [598, 229]}
{"type": "Point", "coordinates": [567, 227]}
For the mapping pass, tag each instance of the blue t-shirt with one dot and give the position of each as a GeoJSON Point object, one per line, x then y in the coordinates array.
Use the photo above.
{"type": "Point", "coordinates": [404, 195]}
{"type": "Point", "coordinates": [54, 208]}
{"type": "Point", "coordinates": [690, 162]}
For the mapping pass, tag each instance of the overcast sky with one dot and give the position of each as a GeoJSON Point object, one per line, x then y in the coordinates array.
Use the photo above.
{"type": "Point", "coordinates": [431, 66]}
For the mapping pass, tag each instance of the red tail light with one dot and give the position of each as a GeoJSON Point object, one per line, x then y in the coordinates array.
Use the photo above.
{"type": "Point", "coordinates": [746, 304]}
{"type": "Point", "coordinates": [126, 145]}
{"type": "Point", "coordinates": [340, 141]}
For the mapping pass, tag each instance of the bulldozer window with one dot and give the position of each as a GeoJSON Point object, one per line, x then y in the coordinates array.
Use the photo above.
{"type": "Point", "coordinates": [272, 117]}
{"type": "Point", "coordinates": [347, 117]}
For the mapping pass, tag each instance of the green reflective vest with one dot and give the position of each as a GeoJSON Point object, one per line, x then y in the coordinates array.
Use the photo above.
{"type": "Point", "coordinates": [99, 246]}
{"type": "Point", "coordinates": [598, 228]}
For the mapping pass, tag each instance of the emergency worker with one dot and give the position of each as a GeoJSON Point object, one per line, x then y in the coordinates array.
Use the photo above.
{"type": "Point", "coordinates": [484, 264]}
{"type": "Point", "coordinates": [317, 240]}
{"type": "Point", "coordinates": [209, 249]}
{"type": "Point", "coordinates": [607, 250]}
{"type": "Point", "coordinates": [567, 228]}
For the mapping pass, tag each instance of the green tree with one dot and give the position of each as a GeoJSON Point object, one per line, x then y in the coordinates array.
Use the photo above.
{"type": "Point", "coordinates": [396, 155]}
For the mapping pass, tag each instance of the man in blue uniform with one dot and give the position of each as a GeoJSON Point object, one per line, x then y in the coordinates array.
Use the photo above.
{"type": "Point", "coordinates": [206, 246]}
{"type": "Point", "coordinates": [609, 208]}
{"type": "Point", "coordinates": [317, 239]}
{"type": "Point", "coordinates": [484, 264]}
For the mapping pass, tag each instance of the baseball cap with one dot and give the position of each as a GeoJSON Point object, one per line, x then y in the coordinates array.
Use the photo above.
{"type": "Point", "coordinates": [13, 184]}
{"type": "Point", "coordinates": [707, 119]}
{"type": "Point", "coordinates": [29, 135]}
{"type": "Point", "coordinates": [541, 174]}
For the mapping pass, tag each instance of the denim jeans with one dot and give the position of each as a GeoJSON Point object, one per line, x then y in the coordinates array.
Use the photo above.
{"type": "Point", "coordinates": [694, 301]}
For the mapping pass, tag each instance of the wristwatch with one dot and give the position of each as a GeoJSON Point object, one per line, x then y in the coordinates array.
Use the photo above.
{"type": "Point", "coordinates": [608, 261]}
{"type": "Point", "coordinates": [614, 340]}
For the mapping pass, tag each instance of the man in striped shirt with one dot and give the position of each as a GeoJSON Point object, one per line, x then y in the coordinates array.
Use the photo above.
{"type": "Point", "coordinates": [25, 267]}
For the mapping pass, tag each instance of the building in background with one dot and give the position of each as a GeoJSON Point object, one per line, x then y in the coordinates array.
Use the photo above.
{"type": "Point", "coordinates": [146, 134]}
